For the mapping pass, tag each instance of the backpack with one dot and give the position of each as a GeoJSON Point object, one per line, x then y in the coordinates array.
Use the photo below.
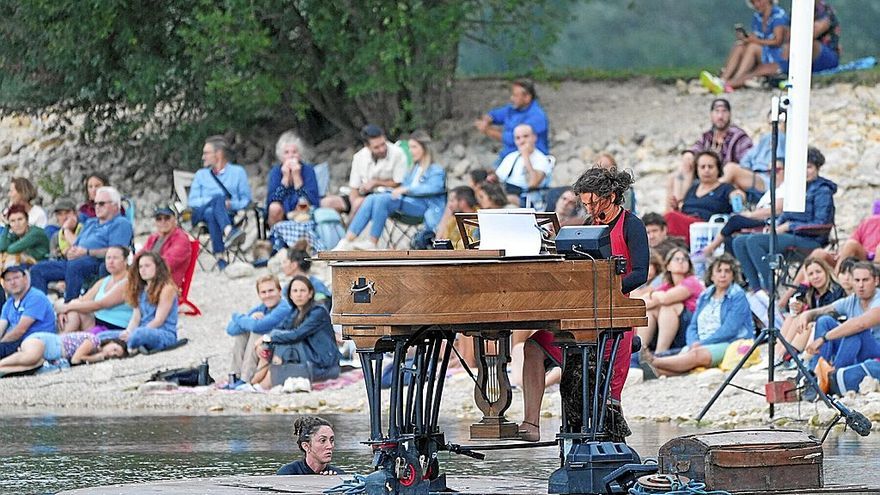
{"type": "Point", "coordinates": [328, 227]}
{"type": "Point", "coordinates": [185, 377]}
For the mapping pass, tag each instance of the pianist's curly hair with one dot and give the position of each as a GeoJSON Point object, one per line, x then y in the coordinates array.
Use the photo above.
{"type": "Point", "coordinates": [306, 426]}
{"type": "Point", "coordinates": [603, 182]}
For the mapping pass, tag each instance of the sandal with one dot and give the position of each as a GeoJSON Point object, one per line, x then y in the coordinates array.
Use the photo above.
{"type": "Point", "coordinates": [531, 433]}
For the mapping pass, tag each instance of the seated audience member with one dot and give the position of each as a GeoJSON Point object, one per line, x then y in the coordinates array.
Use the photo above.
{"type": "Point", "coordinates": [749, 219]}
{"type": "Point", "coordinates": [171, 242]}
{"type": "Point", "coordinates": [729, 141]}
{"type": "Point", "coordinates": [315, 438]}
{"type": "Point", "coordinates": [524, 108]}
{"type": "Point", "coordinates": [292, 182]}
{"type": "Point", "coordinates": [844, 274]}
{"type": "Point", "coordinates": [69, 227]}
{"type": "Point", "coordinates": [298, 262]}
{"type": "Point", "coordinates": [104, 304]}
{"type": "Point", "coordinates": [671, 305]}
{"type": "Point", "coordinates": [22, 192]}
{"type": "Point", "coordinates": [858, 338]}
{"type": "Point", "coordinates": [93, 182]}
{"type": "Point", "coordinates": [76, 348]}
{"type": "Point", "coordinates": [153, 295]}
{"type": "Point", "coordinates": [419, 195]}
{"type": "Point", "coordinates": [248, 329]}
{"type": "Point", "coordinates": [826, 40]}
{"type": "Point", "coordinates": [306, 335]}
{"type": "Point", "coordinates": [864, 243]}
{"type": "Point", "coordinates": [752, 249]}
{"type": "Point", "coordinates": [26, 311]}
{"type": "Point", "coordinates": [379, 164]}
{"type": "Point", "coordinates": [20, 241]}
{"type": "Point", "coordinates": [658, 238]}
{"type": "Point", "coordinates": [524, 169]}
{"type": "Point", "coordinates": [722, 316]}
{"type": "Point", "coordinates": [490, 195]}
{"type": "Point", "coordinates": [569, 209]}
{"type": "Point", "coordinates": [754, 54]}
{"type": "Point", "coordinates": [708, 196]}
{"type": "Point", "coordinates": [84, 260]}
{"type": "Point", "coordinates": [820, 290]}
{"type": "Point", "coordinates": [219, 189]}
{"type": "Point", "coordinates": [477, 177]}
{"type": "Point", "coordinates": [461, 199]}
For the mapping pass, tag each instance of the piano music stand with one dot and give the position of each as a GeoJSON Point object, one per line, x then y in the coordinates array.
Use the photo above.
{"type": "Point", "coordinates": [468, 223]}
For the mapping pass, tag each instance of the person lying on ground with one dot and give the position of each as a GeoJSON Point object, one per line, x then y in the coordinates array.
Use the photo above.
{"type": "Point", "coordinates": [75, 347]}
{"type": "Point", "coordinates": [104, 304]}
{"type": "Point", "coordinates": [722, 316]}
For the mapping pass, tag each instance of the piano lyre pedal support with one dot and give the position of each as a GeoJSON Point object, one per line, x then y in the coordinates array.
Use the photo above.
{"type": "Point", "coordinates": [492, 393]}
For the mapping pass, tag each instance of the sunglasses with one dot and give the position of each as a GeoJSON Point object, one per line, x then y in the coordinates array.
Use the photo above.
{"type": "Point", "coordinates": [163, 218]}
{"type": "Point", "coordinates": [102, 203]}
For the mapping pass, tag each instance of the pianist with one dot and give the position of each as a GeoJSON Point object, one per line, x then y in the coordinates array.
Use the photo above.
{"type": "Point", "coordinates": [601, 191]}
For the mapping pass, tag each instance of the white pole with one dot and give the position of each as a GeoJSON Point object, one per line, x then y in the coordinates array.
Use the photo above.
{"type": "Point", "coordinates": [797, 126]}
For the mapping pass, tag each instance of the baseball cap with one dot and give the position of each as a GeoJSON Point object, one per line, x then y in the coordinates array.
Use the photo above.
{"type": "Point", "coordinates": [65, 204]}
{"type": "Point", "coordinates": [13, 268]}
{"type": "Point", "coordinates": [720, 101]}
{"type": "Point", "coordinates": [163, 210]}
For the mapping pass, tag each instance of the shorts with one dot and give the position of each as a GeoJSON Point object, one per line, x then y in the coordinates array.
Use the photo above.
{"type": "Point", "coordinates": [827, 59]}
{"type": "Point", "coordinates": [51, 342]}
{"type": "Point", "coordinates": [717, 351]}
{"type": "Point", "coordinates": [553, 353]}
{"type": "Point", "coordinates": [684, 319]}
{"type": "Point", "coordinates": [347, 201]}
{"type": "Point", "coordinates": [771, 55]}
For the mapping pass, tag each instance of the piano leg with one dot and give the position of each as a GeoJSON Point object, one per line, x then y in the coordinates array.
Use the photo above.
{"type": "Point", "coordinates": [587, 450]}
{"type": "Point", "coordinates": [405, 459]}
{"type": "Point", "coordinates": [492, 392]}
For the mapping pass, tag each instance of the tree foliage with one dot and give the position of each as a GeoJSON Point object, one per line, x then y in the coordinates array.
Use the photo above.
{"type": "Point", "coordinates": [139, 68]}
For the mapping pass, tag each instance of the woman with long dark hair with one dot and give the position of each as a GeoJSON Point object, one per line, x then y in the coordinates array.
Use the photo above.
{"type": "Point", "coordinates": [306, 337]}
{"type": "Point", "coordinates": [153, 295]}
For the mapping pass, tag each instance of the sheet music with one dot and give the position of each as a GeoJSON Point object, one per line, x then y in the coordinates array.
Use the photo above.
{"type": "Point", "coordinates": [515, 230]}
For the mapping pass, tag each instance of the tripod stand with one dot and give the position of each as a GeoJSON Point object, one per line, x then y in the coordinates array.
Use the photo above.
{"type": "Point", "coordinates": [858, 422]}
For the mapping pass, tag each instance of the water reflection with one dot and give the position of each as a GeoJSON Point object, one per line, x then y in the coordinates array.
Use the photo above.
{"type": "Point", "coordinates": [51, 453]}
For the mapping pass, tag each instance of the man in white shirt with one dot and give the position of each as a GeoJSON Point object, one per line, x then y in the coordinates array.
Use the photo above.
{"type": "Point", "coordinates": [523, 169]}
{"type": "Point", "coordinates": [379, 164]}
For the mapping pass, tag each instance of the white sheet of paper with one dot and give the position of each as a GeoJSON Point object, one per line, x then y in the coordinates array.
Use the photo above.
{"type": "Point", "coordinates": [513, 229]}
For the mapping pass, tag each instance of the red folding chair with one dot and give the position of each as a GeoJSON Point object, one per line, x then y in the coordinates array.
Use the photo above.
{"type": "Point", "coordinates": [187, 306]}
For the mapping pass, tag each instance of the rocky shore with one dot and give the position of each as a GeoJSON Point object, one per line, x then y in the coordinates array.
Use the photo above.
{"type": "Point", "coordinates": [644, 124]}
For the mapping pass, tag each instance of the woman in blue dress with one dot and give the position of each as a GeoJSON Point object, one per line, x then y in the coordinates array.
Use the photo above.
{"type": "Point", "coordinates": [153, 295]}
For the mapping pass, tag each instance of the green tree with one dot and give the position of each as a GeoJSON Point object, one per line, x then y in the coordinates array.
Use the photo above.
{"type": "Point", "coordinates": [138, 68]}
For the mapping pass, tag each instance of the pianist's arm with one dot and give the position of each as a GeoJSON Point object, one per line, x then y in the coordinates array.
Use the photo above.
{"type": "Point", "coordinates": [318, 319]}
{"type": "Point", "coordinates": [639, 254]}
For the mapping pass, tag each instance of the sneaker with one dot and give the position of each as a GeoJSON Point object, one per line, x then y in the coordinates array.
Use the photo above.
{"type": "Point", "coordinates": [364, 245]}
{"type": "Point", "coordinates": [344, 245]}
{"type": "Point", "coordinates": [235, 236]}
{"type": "Point", "coordinates": [713, 83]}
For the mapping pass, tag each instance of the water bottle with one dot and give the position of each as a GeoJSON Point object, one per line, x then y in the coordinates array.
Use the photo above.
{"type": "Point", "coordinates": [736, 203]}
{"type": "Point", "coordinates": [203, 372]}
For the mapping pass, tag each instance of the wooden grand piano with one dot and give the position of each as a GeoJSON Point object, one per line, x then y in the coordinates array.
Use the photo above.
{"type": "Point", "coordinates": [414, 302]}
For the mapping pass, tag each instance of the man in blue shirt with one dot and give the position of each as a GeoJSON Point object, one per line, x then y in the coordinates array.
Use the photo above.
{"type": "Point", "coordinates": [85, 259]}
{"type": "Point", "coordinates": [25, 312]}
{"type": "Point", "coordinates": [522, 109]}
{"type": "Point", "coordinates": [219, 190]}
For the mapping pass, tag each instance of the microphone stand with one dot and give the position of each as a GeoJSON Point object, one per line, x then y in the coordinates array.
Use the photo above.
{"type": "Point", "coordinates": [857, 421]}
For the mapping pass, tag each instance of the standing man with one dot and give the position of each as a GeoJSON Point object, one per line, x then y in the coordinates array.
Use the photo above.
{"type": "Point", "coordinates": [171, 242]}
{"type": "Point", "coordinates": [27, 310]}
{"type": "Point", "coordinates": [379, 164]}
{"type": "Point", "coordinates": [85, 258]}
{"type": "Point", "coordinates": [729, 141]}
{"type": "Point", "coordinates": [219, 190]}
{"type": "Point", "coordinates": [499, 123]}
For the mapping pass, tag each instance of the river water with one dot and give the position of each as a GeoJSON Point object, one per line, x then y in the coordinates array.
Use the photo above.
{"type": "Point", "coordinates": [45, 454]}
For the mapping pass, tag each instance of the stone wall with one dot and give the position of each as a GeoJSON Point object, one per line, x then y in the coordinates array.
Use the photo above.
{"type": "Point", "coordinates": [645, 125]}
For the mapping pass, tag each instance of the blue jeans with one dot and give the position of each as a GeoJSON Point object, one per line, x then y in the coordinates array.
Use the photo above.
{"type": "Point", "coordinates": [850, 350]}
{"type": "Point", "coordinates": [75, 274]}
{"type": "Point", "coordinates": [378, 206]}
{"type": "Point", "coordinates": [751, 249]}
{"type": "Point", "coordinates": [215, 215]}
{"type": "Point", "coordinates": [151, 338]}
